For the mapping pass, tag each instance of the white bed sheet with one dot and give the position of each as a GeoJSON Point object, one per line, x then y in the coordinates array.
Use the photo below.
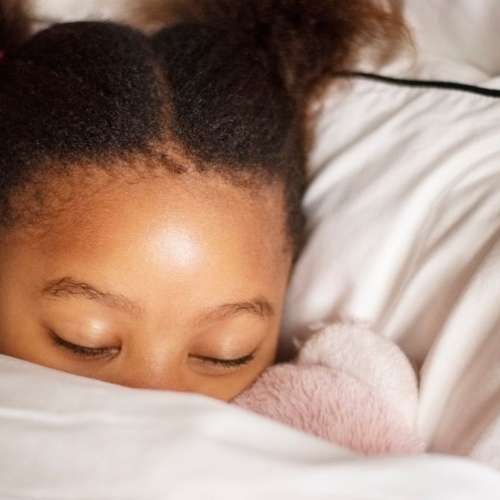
{"type": "Point", "coordinates": [456, 35]}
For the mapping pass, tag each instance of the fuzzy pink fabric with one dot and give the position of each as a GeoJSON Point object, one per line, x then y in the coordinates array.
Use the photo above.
{"type": "Point", "coordinates": [347, 385]}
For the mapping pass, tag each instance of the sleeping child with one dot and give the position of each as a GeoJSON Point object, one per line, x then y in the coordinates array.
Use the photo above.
{"type": "Point", "coordinates": [151, 186]}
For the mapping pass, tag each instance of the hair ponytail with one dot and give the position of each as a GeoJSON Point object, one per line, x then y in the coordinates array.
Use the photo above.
{"type": "Point", "coordinates": [307, 39]}
{"type": "Point", "coordinates": [243, 57]}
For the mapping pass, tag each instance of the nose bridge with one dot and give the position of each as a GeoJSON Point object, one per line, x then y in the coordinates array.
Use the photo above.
{"type": "Point", "coordinates": [151, 366]}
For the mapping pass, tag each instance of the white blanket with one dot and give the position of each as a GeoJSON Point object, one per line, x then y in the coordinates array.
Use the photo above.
{"type": "Point", "coordinates": [68, 437]}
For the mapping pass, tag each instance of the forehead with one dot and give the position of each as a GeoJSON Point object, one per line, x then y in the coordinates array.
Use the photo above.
{"type": "Point", "coordinates": [205, 205]}
{"type": "Point", "coordinates": [174, 229]}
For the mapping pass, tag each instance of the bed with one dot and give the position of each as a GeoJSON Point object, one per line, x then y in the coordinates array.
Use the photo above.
{"type": "Point", "coordinates": [404, 231]}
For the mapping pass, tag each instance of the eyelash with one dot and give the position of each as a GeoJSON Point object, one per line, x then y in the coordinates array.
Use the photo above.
{"type": "Point", "coordinates": [95, 352]}
{"type": "Point", "coordinates": [228, 363]}
{"type": "Point", "coordinates": [87, 352]}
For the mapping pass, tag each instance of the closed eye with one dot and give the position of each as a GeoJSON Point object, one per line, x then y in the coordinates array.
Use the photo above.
{"type": "Point", "coordinates": [105, 352]}
{"type": "Point", "coordinates": [227, 363]}
{"type": "Point", "coordinates": [86, 352]}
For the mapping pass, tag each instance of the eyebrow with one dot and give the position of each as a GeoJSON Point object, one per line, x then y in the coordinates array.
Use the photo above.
{"type": "Point", "coordinates": [69, 287]}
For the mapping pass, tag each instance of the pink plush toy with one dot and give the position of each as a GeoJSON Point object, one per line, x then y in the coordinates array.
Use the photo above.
{"type": "Point", "coordinates": [347, 385]}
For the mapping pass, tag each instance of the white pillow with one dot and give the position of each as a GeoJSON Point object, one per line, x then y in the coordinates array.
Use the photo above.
{"type": "Point", "coordinates": [404, 221]}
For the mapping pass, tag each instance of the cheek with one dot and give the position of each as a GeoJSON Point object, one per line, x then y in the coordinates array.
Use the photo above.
{"type": "Point", "coordinates": [14, 320]}
{"type": "Point", "coordinates": [21, 340]}
{"type": "Point", "coordinates": [21, 336]}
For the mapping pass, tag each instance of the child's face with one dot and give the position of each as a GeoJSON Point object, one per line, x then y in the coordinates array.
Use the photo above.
{"type": "Point", "coordinates": [148, 278]}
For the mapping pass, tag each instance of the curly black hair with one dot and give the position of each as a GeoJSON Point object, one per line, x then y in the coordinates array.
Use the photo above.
{"type": "Point", "coordinates": [226, 84]}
